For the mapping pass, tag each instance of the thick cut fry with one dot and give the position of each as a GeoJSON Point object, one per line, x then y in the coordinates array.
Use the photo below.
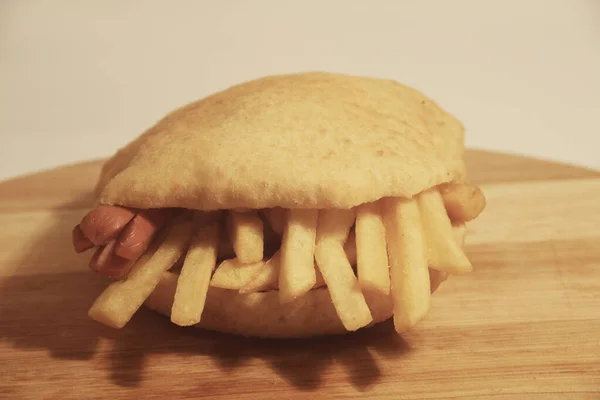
{"type": "Point", "coordinates": [334, 224]}
{"type": "Point", "coordinates": [371, 249]}
{"type": "Point", "coordinates": [437, 277]}
{"type": "Point", "coordinates": [443, 251]}
{"type": "Point", "coordinates": [117, 304]}
{"type": "Point", "coordinates": [350, 247]}
{"type": "Point", "coordinates": [408, 262]}
{"type": "Point", "coordinates": [297, 275]}
{"type": "Point", "coordinates": [346, 296]}
{"type": "Point", "coordinates": [277, 218]}
{"type": "Point", "coordinates": [232, 274]}
{"type": "Point", "coordinates": [463, 202]}
{"type": "Point", "coordinates": [246, 234]}
{"type": "Point", "coordinates": [266, 278]}
{"type": "Point", "coordinates": [193, 281]}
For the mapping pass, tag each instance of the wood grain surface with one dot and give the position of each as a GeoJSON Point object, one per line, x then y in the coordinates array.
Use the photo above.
{"type": "Point", "coordinates": [524, 325]}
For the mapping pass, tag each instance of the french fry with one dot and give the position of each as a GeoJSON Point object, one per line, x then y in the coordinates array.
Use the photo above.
{"type": "Point", "coordinates": [232, 274]}
{"type": "Point", "coordinates": [437, 277]}
{"type": "Point", "coordinates": [371, 250]}
{"type": "Point", "coordinates": [463, 202]}
{"type": "Point", "coordinates": [350, 247]}
{"type": "Point", "coordinates": [443, 251]}
{"type": "Point", "coordinates": [277, 218]}
{"type": "Point", "coordinates": [347, 298]}
{"type": "Point", "coordinates": [410, 284]}
{"type": "Point", "coordinates": [266, 278]}
{"type": "Point", "coordinates": [120, 300]}
{"type": "Point", "coordinates": [195, 276]}
{"type": "Point", "coordinates": [297, 274]}
{"type": "Point", "coordinates": [246, 234]}
{"type": "Point", "coordinates": [335, 225]}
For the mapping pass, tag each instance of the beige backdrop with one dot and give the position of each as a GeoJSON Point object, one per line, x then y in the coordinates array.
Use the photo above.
{"type": "Point", "coordinates": [79, 78]}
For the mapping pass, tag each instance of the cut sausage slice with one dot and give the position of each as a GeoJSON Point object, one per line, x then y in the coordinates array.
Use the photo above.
{"type": "Point", "coordinates": [104, 223]}
{"type": "Point", "coordinates": [137, 235]}
{"type": "Point", "coordinates": [122, 236]}
{"type": "Point", "coordinates": [107, 263]}
{"type": "Point", "coordinates": [80, 242]}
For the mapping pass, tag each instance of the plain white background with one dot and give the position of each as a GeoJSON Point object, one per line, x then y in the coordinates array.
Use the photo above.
{"type": "Point", "coordinates": [80, 78]}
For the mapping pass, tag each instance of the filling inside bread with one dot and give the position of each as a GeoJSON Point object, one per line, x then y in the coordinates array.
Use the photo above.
{"type": "Point", "coordinates": [395, 247]}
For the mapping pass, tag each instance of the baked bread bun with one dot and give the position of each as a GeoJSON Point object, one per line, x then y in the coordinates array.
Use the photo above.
{"type": "Point", "coordinates": [288, 206]}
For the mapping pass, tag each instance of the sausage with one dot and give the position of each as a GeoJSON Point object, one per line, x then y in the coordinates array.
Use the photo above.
{"type": "Point", "coordinates": [121, 234]}
{"type": "Point", "coordinates": [107, 263]}
{"type": "Point", "coordinates": [104, 223]}
{"type": "Point", "coordinates": [80, 242]}
{"type": "Point", "coordinates": [137, 235]}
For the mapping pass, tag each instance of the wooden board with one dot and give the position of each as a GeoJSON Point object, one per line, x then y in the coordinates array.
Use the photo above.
{"type": "Point", "coordinates": [524, 325]}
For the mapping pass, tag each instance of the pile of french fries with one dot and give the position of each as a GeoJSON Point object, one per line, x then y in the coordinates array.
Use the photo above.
{"type": "Point", "coordinates": [392, 247]}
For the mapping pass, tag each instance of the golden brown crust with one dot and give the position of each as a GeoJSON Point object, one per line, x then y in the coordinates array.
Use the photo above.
{"type": "Point", "coordinates": [312, 140]}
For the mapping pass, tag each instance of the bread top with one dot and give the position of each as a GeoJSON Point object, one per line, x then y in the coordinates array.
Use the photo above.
{"type": "Point", "coordinates": [307, 140]}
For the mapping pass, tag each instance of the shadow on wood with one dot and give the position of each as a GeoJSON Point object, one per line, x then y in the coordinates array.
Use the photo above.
{"type": "Point", "coordinates": [49, 312]}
